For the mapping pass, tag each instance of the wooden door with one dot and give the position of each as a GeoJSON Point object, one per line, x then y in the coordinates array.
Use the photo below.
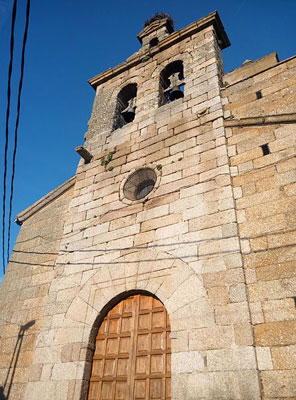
{"type": "Point", "coordinates": [132, 356]}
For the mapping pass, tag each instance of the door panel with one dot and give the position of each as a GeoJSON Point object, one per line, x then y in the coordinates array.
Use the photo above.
{"type": "Point", "coordinates": [133, 356]}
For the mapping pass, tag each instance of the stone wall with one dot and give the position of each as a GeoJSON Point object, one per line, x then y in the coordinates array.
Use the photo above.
{"type": "Point", "coordinates": [213, 240]}
{"type": "Point", "coordinates": [24, 290]}
{"type": "Point", "coordinates": [265, 190]}
{"type": "Point", "coordinates": [180, 243]}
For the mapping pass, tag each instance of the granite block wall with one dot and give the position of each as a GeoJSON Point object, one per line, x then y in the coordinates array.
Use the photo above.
{"type": "Point", "coordinates": [214, 240]}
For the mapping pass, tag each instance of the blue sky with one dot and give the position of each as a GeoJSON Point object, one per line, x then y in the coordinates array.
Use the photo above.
{"type": "Point", "coordinates": [70, 41]}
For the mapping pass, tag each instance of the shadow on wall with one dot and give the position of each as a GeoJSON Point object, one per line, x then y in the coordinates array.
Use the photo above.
{"type": "Point", "coordinates": [2, 397]}
{"type": "Point", "coordinates": [13, 363]}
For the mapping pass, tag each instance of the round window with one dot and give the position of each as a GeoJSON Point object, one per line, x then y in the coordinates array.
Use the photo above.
{"type": "Point", "coordinates": [139, 184]}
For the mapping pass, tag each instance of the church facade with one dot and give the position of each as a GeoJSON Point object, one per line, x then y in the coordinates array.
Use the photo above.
{"type": "Point", "coordinates": [165, 268]}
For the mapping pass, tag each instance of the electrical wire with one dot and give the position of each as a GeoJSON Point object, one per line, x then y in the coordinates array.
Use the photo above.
{"type": "Point", "coordinates": [13, 18]}
{"type": "Point", "coordinates": [114, 262]}
{"type": "Point", "coordinates": [25, 36]}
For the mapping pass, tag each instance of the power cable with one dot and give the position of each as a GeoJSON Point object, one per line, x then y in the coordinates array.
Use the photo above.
{"type": "Point", "coordinates": [25, 36]}
{"type": "Point", "coordinates": [114, 262]}
{"type": "Point", "coordinates": [13, 18]}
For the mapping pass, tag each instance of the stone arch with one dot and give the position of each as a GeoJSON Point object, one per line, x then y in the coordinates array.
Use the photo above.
{"type": "Point", "coordinates": [171, 77]}
{"type": "Point", "coordinates": [129, 80]}
{"type": "Point", "coordinates": [146, 327]}
{"type": "Point", "coordinates": [112, 303]}
{"type": "Point", "coordinates": [160, 273]}
{"type": "Point", "coordinates": [104, 106]}
{"type": "Point", "coordinates": [125, 107]}
{"type": "Point", "coordinates": [185, 58]}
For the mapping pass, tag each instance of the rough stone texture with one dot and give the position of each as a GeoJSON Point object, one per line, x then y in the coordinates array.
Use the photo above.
{"type": "Point", "coordinates": [214, 240]}
{"type": "Point", "coordinates": [266, 205]}
{"type": "Point", "coordinates": [24, 295]}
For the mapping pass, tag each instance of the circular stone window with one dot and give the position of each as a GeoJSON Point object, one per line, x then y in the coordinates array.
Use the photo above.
{"type": "Point", "coordinates": [139, 184]}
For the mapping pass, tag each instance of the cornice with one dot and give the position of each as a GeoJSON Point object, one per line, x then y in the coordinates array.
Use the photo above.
{"type": "Point", "coordinates": [175, 37]}
{"type": "Point", "coordinates": [262, 120]}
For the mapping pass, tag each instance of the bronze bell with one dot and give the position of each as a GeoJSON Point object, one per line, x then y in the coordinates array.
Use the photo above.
{"type": "Point", "coordinates": [130, 111]}
{"type": "Point", "coordinates": [176, 93]}
{"type": "Point", "coordinates": [129, 114]}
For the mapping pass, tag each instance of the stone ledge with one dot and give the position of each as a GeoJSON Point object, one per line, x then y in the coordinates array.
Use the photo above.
{"type": "Point", "coordinates": [264, 120]}
{"type": "Point", "coordinates": [28, 212]}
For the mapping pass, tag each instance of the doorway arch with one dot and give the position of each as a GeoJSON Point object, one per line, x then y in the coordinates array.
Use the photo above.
{"type": "Point", "coordinates": [132, 357]}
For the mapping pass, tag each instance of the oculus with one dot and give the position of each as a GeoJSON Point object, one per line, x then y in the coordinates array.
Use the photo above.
{"type": "Point", "coordinates": [139, 184]}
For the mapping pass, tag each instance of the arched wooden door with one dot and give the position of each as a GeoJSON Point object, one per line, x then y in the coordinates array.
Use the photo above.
{"type": "Point", "coordinates": [132, 358]}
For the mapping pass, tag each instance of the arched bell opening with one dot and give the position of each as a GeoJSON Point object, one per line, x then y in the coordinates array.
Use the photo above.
{"type": "Point", "coordinates": [125, 109]}
{"type": "Point", "coordinates": [132, 351]}
{"type": "Point", "coordinates": [171, 83]}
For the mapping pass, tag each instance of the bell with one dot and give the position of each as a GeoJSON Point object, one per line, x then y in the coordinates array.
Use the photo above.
{"type": "Point", "coordinates": [130, 111]}
{"type": "Point", "coordinates": [176, 93]}
{"type": "Point", "coordinates": [129, 114]}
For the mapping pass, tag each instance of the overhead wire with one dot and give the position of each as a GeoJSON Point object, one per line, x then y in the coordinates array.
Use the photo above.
{"type": "Point", "coordinates": [114, 262]}
{"type": "Point", "coordinates": [25, 37]}
{"type": "Point", "coordinates": [13, 18]}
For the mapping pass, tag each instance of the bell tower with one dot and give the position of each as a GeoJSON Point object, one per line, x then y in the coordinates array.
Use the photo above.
{"type": "Point", "coordinates": [153, 212]}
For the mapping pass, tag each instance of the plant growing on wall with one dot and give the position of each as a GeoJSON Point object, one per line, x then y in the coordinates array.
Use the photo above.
{"type": "Point", "coordinates": [105, 160]}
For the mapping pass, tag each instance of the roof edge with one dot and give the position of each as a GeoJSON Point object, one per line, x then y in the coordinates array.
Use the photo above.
{"type": "Point", "coordinates": [211, 19]}
{"type": "Point", "coordinates": [256, 73]}
{"type": "Point", "coordinates": [28, 212]}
